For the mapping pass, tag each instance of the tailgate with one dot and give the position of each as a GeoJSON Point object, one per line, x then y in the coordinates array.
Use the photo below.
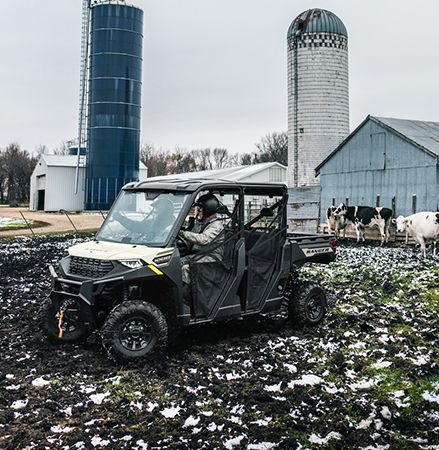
{"type": "Point", "coordinates": [306, 248]}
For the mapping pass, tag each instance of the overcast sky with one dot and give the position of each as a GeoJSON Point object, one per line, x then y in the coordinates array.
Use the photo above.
{"type": "Point", "coordinates": [214, 72]}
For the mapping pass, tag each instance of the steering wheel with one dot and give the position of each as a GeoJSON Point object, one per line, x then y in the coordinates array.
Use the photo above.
{"type": "Point", "coordinates": [182, 245]}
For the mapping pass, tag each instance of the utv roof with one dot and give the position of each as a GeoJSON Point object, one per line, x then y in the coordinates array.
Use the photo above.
{"type": "Point", "coordinates": [192, 185]}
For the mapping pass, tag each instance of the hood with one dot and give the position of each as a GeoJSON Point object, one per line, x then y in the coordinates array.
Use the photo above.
{"type": "Point", "coordinates": [111, 251]}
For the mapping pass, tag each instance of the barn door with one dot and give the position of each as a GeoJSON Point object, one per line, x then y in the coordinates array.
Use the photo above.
{"type": "Point", "coordinates": [378, 144]}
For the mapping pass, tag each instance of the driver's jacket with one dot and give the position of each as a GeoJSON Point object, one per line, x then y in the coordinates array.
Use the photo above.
{"type": "Point", "coordinates": [209, 231]}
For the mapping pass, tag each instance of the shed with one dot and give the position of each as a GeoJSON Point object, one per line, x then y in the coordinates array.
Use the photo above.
{"type": "Point", "coordinates": [52, 184]}
{"type": "Point", "coordinates": [384, 162]}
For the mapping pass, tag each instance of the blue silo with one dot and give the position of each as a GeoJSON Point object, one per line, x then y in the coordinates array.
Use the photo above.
{"type": "Point", "coordinates": [115, 74]}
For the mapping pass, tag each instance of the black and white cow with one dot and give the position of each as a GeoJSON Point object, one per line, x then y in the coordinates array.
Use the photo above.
{"type": "Point", "coordinates": [335, 223]}
{"type": "Point", "coordinates": [362, 217]}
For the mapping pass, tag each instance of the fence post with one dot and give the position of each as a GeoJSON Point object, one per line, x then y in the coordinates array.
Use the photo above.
{"type": "Point", "coordinates": [378, 200]}
{"type": "Point", "coordinates": [393, 206]}
{"type": "Point", "coordinates": [70, 220]}
{"type": "Point", "coordinates": [414, 203]}
{"type": "Point", "coordinates": [27, 223]}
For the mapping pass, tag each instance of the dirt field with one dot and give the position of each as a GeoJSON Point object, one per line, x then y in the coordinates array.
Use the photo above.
{"type": "Point", "coordinates": [367, 377]}
{"type": "Point", "coordinates": [56, 222]}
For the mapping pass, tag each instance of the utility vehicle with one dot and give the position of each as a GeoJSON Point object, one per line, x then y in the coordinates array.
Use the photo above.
{"type": "Point", "coordinates": [127, 281]}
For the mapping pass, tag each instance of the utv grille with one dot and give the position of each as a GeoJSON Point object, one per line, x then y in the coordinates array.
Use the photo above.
{"type": "Point", "coordinates": [90, 268]}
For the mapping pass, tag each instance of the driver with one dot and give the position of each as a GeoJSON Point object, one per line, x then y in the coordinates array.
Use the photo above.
{"type": "Point", "coordinates": [209, 227]}
{"type": "Point", "coordinates": [159, 219]}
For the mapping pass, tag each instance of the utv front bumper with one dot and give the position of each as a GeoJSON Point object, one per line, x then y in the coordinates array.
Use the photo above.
{"type": "Point", "coordinates": [86, 290]}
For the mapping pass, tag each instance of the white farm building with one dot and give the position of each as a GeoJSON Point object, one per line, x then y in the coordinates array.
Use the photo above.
{"type": "Point", "coordinates": [52, 184]}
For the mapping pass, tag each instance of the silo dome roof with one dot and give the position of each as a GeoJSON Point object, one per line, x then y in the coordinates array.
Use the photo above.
{"type": "Point", "coordinates": [317, 21]}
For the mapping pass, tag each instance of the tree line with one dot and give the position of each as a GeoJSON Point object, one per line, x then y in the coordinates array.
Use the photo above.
{"type": "Point", "coordinates": [16, 167]}
{"type": "Point", "coordinates": [17, 164]}
{"type": "Point", "coordinates": [272, 148]}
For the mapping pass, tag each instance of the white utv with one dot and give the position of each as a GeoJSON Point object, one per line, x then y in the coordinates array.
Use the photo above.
{"type": "Point", "coordinates": [127, 281]}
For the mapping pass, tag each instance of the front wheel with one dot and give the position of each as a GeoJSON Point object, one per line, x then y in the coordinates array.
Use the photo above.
{"type": "Point", "coordinates": [133, 329]}
{"type": "Point", "coordinates": [308, 304]}
{"type": "Point", "coordinates": [66, 321]}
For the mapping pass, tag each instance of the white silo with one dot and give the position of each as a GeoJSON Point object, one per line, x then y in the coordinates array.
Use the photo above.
{"type": "Point", "coordinates": [318, 92]}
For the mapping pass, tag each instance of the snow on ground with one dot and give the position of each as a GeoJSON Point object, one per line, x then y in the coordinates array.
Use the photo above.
{"type": "Point", "coordinates": [367, 377]}
{"type": "Point", "coordinates": [9, 222]}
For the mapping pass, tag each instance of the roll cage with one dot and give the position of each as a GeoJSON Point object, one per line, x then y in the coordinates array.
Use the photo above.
{"type": "Point", "coordinates": [195, 187]}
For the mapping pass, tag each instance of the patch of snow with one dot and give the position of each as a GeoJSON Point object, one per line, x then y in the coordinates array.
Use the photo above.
{"type": "Point", "coordinates": [59, 429]}
{"type": "Point", "coordinates": [191, 421]}
{"type": "Point", "coordinates": [151, 406]}
{"type": "Point", "coordinates": [141, 445]}
{"type": "Point", "coordinates": [385, 412]}
{"type": "Point", "coordinates": [40, 382]}
{"type": "Point", "coordinates": [420, 360]}
{"type": "Point", "coordinates": [262, 422]}
{"type": "Point", "coordinates": [381, 364]}
{"type": "Point", "coordinates": [19, 404]}
{"type": "Point", "coordinates": [291, 367]}
{"type": "Point", "coordinates": [96, 441]}
{"type": "Point", "coordinates": [430, 397]}
{"type": "Point", "coordinates": [306, 380]}
{"type": "Point", "coordinates": [261, 446]}
{"type": "Point", "coordinates": [273, 387]}
{"type": "Point", "coordinates": [231, 443]}
{"type": "Point", "coordinates": [363, 385]}
{"type": "Point", "coordinates": [315, 439]}
{"type": "Point", "coordinates": [171, 412]}
{"type": "Point", "coordinates": [97, 399]}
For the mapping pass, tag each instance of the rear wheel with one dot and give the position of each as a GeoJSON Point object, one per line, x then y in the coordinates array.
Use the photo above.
{"type": "Point", "coordinates": [133, 329]}
{"type": "Point", "coordinates": [66, 321]}
{"type": "Point", "coordinates": [308, 304]}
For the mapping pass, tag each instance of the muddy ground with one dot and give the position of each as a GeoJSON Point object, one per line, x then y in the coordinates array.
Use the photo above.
{"type": "Point", "coordinates": [367, 377]}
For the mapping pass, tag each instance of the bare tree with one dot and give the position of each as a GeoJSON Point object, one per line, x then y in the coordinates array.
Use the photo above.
{"type": "Point", "coordinates": [41, 149]}
{"type": "Point", "coordinates": [16, 168]}
{"type": "Point", "coordinates": [157, 161]}
{"type": "Point", "coordinates": [273, 148]}
{"type": "Point", "coordinates": [61, 149]}
{"type": "Point", "coordinates": [221, 158]}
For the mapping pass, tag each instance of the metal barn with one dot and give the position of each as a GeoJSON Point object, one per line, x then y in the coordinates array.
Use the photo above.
{"type": "Point", "coordinates": [52, 184]}
{"type": "Point", "coordinates": [384, 162]}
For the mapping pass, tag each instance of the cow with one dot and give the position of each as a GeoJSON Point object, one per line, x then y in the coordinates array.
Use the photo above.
{"type": "Point", "coordinates": [335, 223]}
{"type": "Point", "coordinates": [362, 217]}
{"type": "Point", "coordinates": [423, 226]}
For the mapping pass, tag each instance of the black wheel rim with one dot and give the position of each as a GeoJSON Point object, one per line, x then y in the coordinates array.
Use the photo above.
{"type": "Point", "coordinates": [314, 307]}
{"type": "Point", "coordinates": [71, 317]}
{"type": "Point", "coordinates": [136, 334]}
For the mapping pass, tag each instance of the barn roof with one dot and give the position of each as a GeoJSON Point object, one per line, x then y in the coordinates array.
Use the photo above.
{"type": "Point", "coordinates": [236, 173]}
{"type": "Point", "coordinates": [69, 161]}
{"type": "Point", "coordinates": [422, 134]}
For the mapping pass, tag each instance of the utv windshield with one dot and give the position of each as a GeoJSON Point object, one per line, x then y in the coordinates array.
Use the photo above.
{"type": "Point", "coordinates": [142, 217]}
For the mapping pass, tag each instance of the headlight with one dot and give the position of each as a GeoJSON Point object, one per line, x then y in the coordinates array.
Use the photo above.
{"type": "Point", "coordinates": [160, 260]}
{"type": "Point", "coordinates": [131, 263]}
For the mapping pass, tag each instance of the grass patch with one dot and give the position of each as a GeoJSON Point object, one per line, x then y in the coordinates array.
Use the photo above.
{"type": "Point", "coordinates": [21, 226]}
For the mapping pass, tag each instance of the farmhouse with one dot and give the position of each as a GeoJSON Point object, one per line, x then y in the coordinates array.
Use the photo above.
{"type": "Point", "coordinates": [384, 162]}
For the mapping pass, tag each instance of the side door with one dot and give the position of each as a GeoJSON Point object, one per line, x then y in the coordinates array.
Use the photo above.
{"type": "Point", "coordinates": [265, 234]}
{"type": "Point", "coordinates": [217, 269]}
